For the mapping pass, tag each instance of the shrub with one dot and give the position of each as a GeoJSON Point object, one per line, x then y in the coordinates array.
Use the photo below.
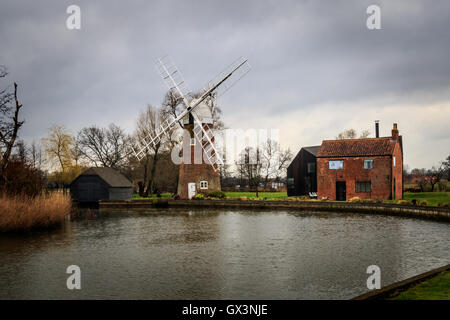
{"type": "Point", "coordinates": [444, 205]}
{"type": "Point", "coordinates": [442, 185]}
{"type": "Point", "coordinates": [243, 198]}
{"type": "Point", "coordinates": [22, 213]}
{"type": "Point", "coordinates": [404, 202]}
{"type": "Point", "coordinates": [368, 201]}
{"type": "Point", "coordinates": [217, 194]}
{"type": "Point", "coordinates": [20, 178]}
{"type": "Point", "coordinates": [199, 196]}
{"type": "Point", "coordinates": [423, 203]}
{"type": "Point", "coordinates": [412, 189]}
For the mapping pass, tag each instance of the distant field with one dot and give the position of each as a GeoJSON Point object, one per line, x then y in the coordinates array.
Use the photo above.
{"type": "Point", "coordinates": [427, 187]}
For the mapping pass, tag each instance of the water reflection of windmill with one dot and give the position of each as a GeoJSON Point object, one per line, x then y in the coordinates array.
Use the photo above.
{"type": "Point", "coordinates": [194, 175]}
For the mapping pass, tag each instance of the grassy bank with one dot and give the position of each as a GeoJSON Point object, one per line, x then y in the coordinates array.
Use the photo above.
{"type": "Point", "coordinates": [152, 196]}
{"type": "Point", "coordinates": [261, 195]}
{"type": "Point", "coordinates": [432, 198]}
{"type": "Point", "coordinates": [24, 213]}
{"type": "Point", "coordinates": [436, 288]}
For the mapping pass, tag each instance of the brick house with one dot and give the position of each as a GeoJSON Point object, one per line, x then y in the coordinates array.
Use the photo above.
{"type": "Point", "coordinates": [364, 168]}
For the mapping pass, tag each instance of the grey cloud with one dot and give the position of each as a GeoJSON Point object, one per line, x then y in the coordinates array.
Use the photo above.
{"type": "Point", "coordinates": [303, 54]}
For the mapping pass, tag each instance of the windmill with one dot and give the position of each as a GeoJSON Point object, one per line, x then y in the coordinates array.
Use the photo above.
{"type": "Point", "coordinates": [197, 119]}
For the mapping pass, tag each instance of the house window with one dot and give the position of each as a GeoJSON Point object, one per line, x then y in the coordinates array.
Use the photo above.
{"type": "Point", "coordinates": [368, 164]}
{"type": "Point", "coordinates": [363, 186]}
{"type": "Point", "coordinates": [336, 164]}
{"type": "Point", "coordinates": [311, 167]}
{"type": "Point", "coordinates": [290, 182]}
{"type": "Point", "coordinates": [203, 184]}
{"type": "Point", "coordinates": [394, 161]}
{"type": "Point", "coordinates": [192, 141]}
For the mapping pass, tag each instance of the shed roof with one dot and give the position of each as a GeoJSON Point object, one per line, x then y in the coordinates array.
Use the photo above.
{"type": "Point", "coordinates": [313, 149]}
{"type": "Point", "coordinates": [111, 176]}
{"type": "Point", "coordinates": [357, 147]}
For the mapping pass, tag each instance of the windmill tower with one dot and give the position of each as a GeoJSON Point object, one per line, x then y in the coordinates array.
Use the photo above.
{"type": "Point", "coordinates": [201, 172]}
{"type": "Point", "coordinates": [198, 174]}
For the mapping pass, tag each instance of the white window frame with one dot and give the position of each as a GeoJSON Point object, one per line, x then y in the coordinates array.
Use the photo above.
{"type": "Point", "coordinates": [203, 184]}
{"type": "Point", "coordinates": [368, 161]}
{"type": "Point", "coordinates": [333, 167]}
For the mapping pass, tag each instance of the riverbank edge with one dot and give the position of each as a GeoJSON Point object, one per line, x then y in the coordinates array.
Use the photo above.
{"type": "Point", "coordinates": [400, 286]}
{"type": "Point", "coordinates": [433, 213]}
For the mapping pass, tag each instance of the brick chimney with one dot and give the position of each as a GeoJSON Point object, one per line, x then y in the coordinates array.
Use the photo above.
{"type": "Point", "coordinates": [395, 132]}
{"type": "Point", "coordinates": [377, 128]}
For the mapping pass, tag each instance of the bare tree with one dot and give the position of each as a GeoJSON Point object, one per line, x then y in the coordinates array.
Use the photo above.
{"type": "Point", "coordinates": [274, 161]}
{"type": "Point", "coordinates": [148, 125]}
{"type": "Point", "coordinates": [434, 175]}
{"type": "Point", "coordinates": [446, 167]}
{"type": "Point", "coordinates": [106, 147]}
{"type": "Point", "coordinates": [250, 165]}
{"type": "Point", "coordinates": [172, 105]}
{"type": "Point", "coordinates": [9, 124]}
{"type": "Point", "coordinates": [35, 151]}
{"type": "Point", "coordinates": [352, 134]}
{"type": "Point", "coordinates": [22, 151]}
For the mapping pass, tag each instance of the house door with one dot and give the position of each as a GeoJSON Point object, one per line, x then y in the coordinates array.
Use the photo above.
{"type": "Point", "coordinates": [340, 191]}
{"type": "Point", "coordinates": [191, 190]}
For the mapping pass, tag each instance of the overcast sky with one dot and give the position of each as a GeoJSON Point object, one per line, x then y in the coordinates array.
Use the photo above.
{"type": "Point", "coordinates": [316, 68]}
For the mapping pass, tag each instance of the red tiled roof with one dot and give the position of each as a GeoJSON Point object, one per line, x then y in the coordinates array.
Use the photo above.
{"type": "Point", "coordinates": [357, 147]}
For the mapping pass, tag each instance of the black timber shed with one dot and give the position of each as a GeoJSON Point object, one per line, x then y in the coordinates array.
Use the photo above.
{"type": "Point", "coordinates": [101, 183]}
{"type": "Point", "coordinates": [301, 173]}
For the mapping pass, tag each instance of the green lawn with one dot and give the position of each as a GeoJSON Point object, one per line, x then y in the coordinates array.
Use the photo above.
{"type": "Point", "coordinates": [153, 196]}
{"type": "Point", "coordinates": [436, 288]}
{"type": "Point", "coordinates": [433, 198]}
{"type": "Point", "coordinates": [261, 195]}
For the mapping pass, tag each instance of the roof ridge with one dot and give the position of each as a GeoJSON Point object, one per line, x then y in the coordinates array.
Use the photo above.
{"type": "Point", "coordinates": [373, 138]}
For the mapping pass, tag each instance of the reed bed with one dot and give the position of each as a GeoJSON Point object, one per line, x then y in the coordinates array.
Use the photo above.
{"type": "Point", "coordinates": [21, 213]}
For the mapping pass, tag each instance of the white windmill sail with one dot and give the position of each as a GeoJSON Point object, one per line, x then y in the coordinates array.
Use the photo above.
{"type": "Point", "coordinates": [203, 133]}
{"type": "Point", "coordinates": [241, 67]}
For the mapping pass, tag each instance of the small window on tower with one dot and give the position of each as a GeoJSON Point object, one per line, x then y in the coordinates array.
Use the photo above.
{"type": "Point", "coordinates": [203, 184]}
{"type": "Point", "coordinates": [192, 141]}
{"type": "Point", "coordinates": [394, 161]}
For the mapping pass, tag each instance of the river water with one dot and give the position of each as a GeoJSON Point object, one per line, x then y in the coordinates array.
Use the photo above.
{"type": "Point", "coordinates": [219, 254]}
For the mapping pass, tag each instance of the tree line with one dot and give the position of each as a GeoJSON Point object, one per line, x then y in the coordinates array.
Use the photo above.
{"type": "Point", "coordinates": [55, 160]}
{"type": "Point", "coordinates": [436, 177]}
